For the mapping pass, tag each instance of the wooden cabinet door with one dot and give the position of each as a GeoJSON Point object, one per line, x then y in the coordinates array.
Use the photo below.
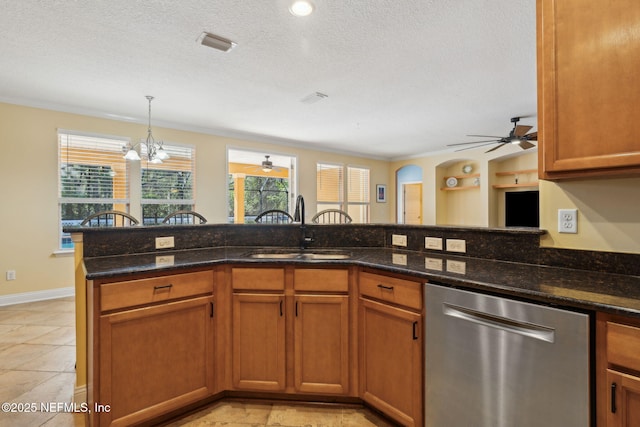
{"type": "Point", "coordinates": [155, 359]}
{"type": "Point", "coordinates": [391, 366]}
{"type": "Point", "coordinates": [321, 344]}
{"type": "Point", "coordinates": [258, 342]}
{"type": "Point", "coordinates": [588, 86]}
{"type": "Point", "coordinates": [624, 400]}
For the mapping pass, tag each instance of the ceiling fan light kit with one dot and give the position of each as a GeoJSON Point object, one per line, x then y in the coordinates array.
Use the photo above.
{"type": "Point", "coordinates": [267, 165]}
{"type": "Point", "coordinates": [517, 136]}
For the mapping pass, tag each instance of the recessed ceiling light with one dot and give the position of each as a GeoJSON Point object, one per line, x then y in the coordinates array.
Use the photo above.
{"type": "Point", "coordinates": [301, 8]}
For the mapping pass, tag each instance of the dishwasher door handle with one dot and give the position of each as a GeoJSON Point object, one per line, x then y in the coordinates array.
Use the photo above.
{"type": "Point", "coordinates": [539, 332]}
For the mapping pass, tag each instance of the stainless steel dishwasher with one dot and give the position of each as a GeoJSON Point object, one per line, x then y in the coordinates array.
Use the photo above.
{"type": "Point", "coordinates": [496, 362]}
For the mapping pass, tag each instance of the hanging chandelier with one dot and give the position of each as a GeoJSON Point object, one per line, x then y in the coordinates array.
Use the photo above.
{"type": "Point", "coordinates": [154, 151]}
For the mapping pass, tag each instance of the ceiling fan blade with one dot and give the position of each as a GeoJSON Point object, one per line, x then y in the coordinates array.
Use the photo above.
{"type": "Point", "coordinates": [487, 136]}
{"type": "Point", "coordinates": [472, 142]}
{"type": "Point", "coordinates": [496, 147]}
{"type": "Point", "coordinates": [525, 145]}
{"type": "Point", "coordinates": [521, 130]}
{"type": "Point", "coordinates": [476, 146]}
{"type": "Point", "coordinates": [533, 136]}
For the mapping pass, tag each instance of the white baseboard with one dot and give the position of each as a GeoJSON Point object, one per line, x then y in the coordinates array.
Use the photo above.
{"type": "Point", "coordinates": [36, 296]}
{"type": "Point", "coordinates": [80, 394]}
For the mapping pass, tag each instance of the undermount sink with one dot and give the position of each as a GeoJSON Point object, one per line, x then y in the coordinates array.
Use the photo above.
{"type": "Point", "coordinates": [300, 254]}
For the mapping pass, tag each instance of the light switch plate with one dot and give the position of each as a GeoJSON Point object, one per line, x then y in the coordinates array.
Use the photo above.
{"type": "Point", "coordinates": [433, 243]}
{"type": "Point", "coordinates": [457, 245]}
{"type": "Point", "coordinates": [399, 240]}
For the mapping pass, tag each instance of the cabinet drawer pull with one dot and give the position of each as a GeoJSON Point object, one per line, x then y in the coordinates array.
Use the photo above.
{"type": "Point", "coordinates": [613, 398]}
{"type": "Point", "coordinates": [296, 308]}
{"type": "Point", "coordinates": [386, 288]}
{"type": "Point", "coordinates": [415, 330]}
{"type": "Point", "coordinates": [157, 288]}
{"type": "Point", "coordinates": [212, 309]}
{"type": "Point", "coordinates": [281, 312]}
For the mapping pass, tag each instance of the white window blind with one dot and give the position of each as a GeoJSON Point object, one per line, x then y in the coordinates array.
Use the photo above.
{"type": "Point", "coordinates": [92, 177]}
{"type": "Point", "coordinates": [358, 194]}
{"type": "Point", "coordinates": [170, 185]}
{"type": "Point", "coordinates": [329, 186]}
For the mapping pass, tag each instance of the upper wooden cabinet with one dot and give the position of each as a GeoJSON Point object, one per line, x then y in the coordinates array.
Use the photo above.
{"type": "Point", "coordinates": [588, 88]}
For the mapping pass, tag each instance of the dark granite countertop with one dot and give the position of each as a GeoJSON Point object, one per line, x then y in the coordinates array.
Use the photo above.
{"type": "Point", "coordinates": [581, 289]}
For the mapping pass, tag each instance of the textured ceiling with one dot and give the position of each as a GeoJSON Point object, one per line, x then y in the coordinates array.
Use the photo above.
{"type": "Point", "coordinates": [402, 77]}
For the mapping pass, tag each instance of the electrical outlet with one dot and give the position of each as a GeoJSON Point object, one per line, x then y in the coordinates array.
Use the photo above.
{"type": "Point", "coordinates": [433, 243]}
{"type": "Point", "coordinates": [11, 275]}
{"type": "Point", "coordinates": [457, 245]}
{"type": "Point", "coordinates": [164, 242]}
{"type": "Point", "coordinates": [567, 220]}
{"type": "Point", "coordinates": [399, 240]}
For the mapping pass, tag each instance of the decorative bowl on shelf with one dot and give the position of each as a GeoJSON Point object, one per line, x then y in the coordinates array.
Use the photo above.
{"type": "Point", "coordinates": [452, 182]}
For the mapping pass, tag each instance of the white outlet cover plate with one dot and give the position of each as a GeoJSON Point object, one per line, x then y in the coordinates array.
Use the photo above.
{"type": "Point", "coordinates": [433, 243]}
{"type": "Point", "coordinates": [568, 221]}
{"type": "Point", "coordinates": [165, 242]}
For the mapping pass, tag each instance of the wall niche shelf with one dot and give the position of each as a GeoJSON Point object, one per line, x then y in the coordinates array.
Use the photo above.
{"type": "Point", "coordinates": [469, 175]}
{"type": "Point", "coordinates": [461, 177]}
{"type": "Point", "coordinates": [465, 187]}
{"type": "Point", "coordinates": [517, 184]}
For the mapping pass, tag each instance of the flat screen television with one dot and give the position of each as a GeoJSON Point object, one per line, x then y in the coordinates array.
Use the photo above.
{"type": "Point", "coordinates": [522, 208]}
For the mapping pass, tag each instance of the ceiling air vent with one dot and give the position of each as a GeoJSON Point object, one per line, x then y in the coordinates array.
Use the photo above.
{"type": "Point", "coordinates": [216, 42]}
{"type": "Point", "coordinates": [314, 97]}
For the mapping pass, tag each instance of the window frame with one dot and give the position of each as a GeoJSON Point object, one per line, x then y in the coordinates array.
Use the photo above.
{"type": "Point", "coordinates": [94, 141]}
{"type": "Point", "coordinates": [344, 186]}
{"type": "Point", "coordinates": [174, 150]}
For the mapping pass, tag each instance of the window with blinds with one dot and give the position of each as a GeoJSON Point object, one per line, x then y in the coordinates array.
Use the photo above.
{"type": "Point", "coordinates": [92, 177]}
{"type": "Point", "coordinates": [168, 186]}
{"type": "Point", "coordinates": [358, 194]}
{"type": "Point", "coordinates": [331, 187]}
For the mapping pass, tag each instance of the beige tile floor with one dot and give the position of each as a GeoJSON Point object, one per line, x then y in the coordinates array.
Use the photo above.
{"type": "Point", "coordinates": [37, 359]}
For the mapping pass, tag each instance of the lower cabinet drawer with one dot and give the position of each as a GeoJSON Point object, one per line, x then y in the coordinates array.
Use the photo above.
{"type": "Point", "coordinates": [623, 342]}
{"type": "Point", "coordinates": [131, 293]}
{"type": "Point", "coordinates": [391, 289]}
{"type": "Point", "coordinates": [257, 279]}
{"type": "Point", "coordinates": [321, 279]}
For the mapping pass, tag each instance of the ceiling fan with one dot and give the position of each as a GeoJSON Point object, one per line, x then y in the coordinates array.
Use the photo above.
{"type": "Point", "coordinates": [517, 136]}
{"type": "Point", "coordinates": [266, 166]}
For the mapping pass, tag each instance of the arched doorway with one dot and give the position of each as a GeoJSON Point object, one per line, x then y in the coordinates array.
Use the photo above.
{"type": "Point", "coordinates": [409, 195]}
